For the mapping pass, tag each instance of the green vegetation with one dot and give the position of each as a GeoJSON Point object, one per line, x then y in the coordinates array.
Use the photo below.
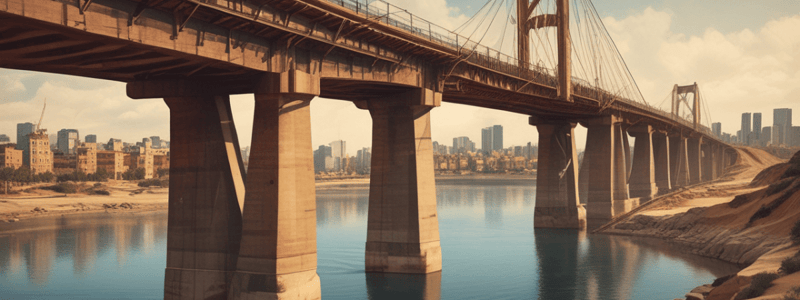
{"type": "Point", "coordinates": [63, 187]}
{"type": "Point", "coordinates": [162, 172]}
{"type": "Point", "coordinates": [793, 293]}
{"type": "Point", "coordinates": [154, 182]}
{"type": "Point", "coordinates": [795, 233]}
{"type": "Point", "coordinates": [765, 210]}
{"type": "Point", "coordinates": [760, 283]}
{"type": "Point", "coordinates": [100, 175]}
{"type": "Point", "coordinates": [790, 264]}
{"type": "Point", "coordinates": [134, 174]}
{"type": "Point", "coordinates": [779, 186]}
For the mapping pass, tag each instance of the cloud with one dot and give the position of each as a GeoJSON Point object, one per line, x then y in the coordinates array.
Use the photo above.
{"type": "Point", "coordinates": [751, 70]}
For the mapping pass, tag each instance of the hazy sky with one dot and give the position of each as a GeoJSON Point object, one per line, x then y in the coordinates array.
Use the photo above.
{"type": "Point", "coordinates": [745, 55]}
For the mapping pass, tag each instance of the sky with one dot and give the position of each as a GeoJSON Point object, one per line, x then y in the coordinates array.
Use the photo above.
{"type": "Point", "coordinates": [745, 55]}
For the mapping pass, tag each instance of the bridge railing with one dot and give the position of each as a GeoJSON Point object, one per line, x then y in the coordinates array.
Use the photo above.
{"type": "Point", "coordinates": [484, 56]}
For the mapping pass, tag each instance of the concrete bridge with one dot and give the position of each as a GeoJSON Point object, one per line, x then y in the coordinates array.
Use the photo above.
{"type": "Point", "coordinates": [224, 242]}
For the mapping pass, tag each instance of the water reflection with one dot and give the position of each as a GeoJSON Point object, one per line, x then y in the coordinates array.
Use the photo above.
{"type": "Point", "coordinates": [35, 247]}
{"type": "Point", "coordinates": [404, 286]}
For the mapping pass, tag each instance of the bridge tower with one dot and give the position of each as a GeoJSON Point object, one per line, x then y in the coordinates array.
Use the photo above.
{"type": "Point", "coordinates": [680, 95]}
{"type": "Point", "coordinates": [561, 21]}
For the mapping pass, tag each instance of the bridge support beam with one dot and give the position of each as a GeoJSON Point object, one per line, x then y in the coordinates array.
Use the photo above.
{"type": "Point", "coordinates": [643, 177]}
{"type": "Point", "coordinates": [695, 154]}
{"type": "Point", "coordinates": [557, 200]}
{"type": "Point", "coordinates": [402, 226]}
{"type": "Point", "coordinates": [707, 170]}
{"type": "Point", "coordinates": [661, 160]}
{"type": "Point", "coordinates": [607, 169]}
{"type": "Point", "coordinates": [278, 255]}
{"type": "Point", "coordinates": [680, 162]}
{"type": "Point", "coordinates": [205, 221]}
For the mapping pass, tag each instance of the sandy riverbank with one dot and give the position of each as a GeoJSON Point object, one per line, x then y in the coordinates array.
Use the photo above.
{"type": "Point", "coordinates": [706, 220]}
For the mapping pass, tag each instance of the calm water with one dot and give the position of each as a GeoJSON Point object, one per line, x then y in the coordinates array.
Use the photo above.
{"type": "Point", "coordinates": [489, 247]}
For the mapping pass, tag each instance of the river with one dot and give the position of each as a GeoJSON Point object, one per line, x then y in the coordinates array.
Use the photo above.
{"type": "Point", "coordinates": [490, 250]}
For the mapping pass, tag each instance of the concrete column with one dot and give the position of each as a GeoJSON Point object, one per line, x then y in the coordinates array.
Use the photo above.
{"type": "Point", "coordinates": [205, 221]}
{"type": "Point", "coordinates": [557, 200]}
{"type": "Point", "coordinates": [662, 162]}
{"type": "Point", "coordinates": [607, 168]}
{"type": "Point", "coordinates": [707, 170]}
{"type": "Point", "coordinates": [680, 162]}
{"type": "Point", "coordinates": [402, 225]}
{"type": "Point", "coordinates": [695, 160]}
{"type": "Point", "coordinates": [621, 153]}
{"type": "Point", "coordinates": [278, 255]}
{"type": "Point", "coordinates": [643, 177]}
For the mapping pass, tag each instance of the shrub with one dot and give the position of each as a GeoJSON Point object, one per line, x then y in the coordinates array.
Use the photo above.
{"type": "Point", "coordinates": [760, 283]}
{"type": "Point", "coordinates": [795, 233]}
{"type": "Point", "coordinates": [134, 174]}
{"type": "Point", "coordinates": [790, 265]}
{"type": "Point", "coordinates": [162, 172]}
{"type": "Point", "coordinates": [779, 186]}
{"type": "Point", "coordinates": [101, 192]}
{"type": "Point", "coordinates": [766, 210]}
{"type": "Point", "coordinates": [154, 182]}
{"type": "Point", "coordinates": [63, 187]}
{"type": "Point", "coordinates": [793, 293]}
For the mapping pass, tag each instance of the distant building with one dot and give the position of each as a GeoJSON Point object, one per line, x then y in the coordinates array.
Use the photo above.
{"type": "Point", "coordinates": [156, 140]}
{"type": "Point", "coordinates": [40, 156]}
{"type": "Point", "coordinates": [68, 140]}
{"type": "Point", "coordinates": [756, 128]}
{"type": "Point", "coordinates": [86, 157]}
{"type": "Point", "coordinates": [462, 144]}
{"type": "Point", "coordinates": [115, 145]}
{"type": "Point", "coordinates": [492, 139]}
{"type": "Point", "coordinates": [23, 130]}
{"type": "Point", "coordinates": [10, 157]}
{"type": "Point", "coordinates": [716, 128]}
{"type": "Point", "coordinates": [113, 162]}
{"type": "Point", "coordinates": [746, 129]}
{"type": "Point", "coordinates": [766, 136]}
{"type": "Point", "coordinates": [4, 139]}
{"type": "Point", "coordinates": [363, 161]}
{"type": "Point", "coordinates": [781, 124]}
{"type": "Point", "coordinates": [794, 138]}
{"type": "Point", "coordinates": [338, 152]}
{"type": "Point", "coordinates": [320, 156]}
{"type": "Point", "coordinates": [91, 138]}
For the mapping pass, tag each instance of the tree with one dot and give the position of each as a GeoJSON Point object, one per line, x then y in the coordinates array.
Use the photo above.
{"type": "Point", "coordinates": [6, 174]}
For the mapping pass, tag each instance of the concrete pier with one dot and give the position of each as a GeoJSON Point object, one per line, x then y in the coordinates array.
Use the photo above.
{"type": "Point", "coordinates": [695, 156]}
{"type": "Point", "coordinates": [680, 161]}
{"type": "Point", "coordinates": [278, 255]}
{"type": "Point", "coordinates": [402, 226]}
{"type": "Point", "coordinates": [661, 158]}
{"type": "Point", "coordinates": [205, 221]}
{"type": "Point", "coordinates": [607, 169]}
{"type": "Point", "coordinates": [643, 178]}
{"type": "Point", "coordinates": [557, 200]}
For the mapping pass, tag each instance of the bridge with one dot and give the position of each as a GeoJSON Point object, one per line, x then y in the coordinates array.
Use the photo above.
{"type": "Point", "coordinates": [240, 236]}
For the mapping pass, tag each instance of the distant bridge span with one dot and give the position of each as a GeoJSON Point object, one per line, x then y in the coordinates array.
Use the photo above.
{"type": "Point", "coordinates": [225, 242]}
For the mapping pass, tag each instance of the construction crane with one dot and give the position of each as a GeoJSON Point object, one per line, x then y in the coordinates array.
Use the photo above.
{"type": "Point", "coordinates": [38, 125]}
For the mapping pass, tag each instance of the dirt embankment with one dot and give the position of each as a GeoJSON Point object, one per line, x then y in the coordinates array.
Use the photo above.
{"type": "Point", "coordinates": [744, 217]}
{"type": "Point", "coordinates": [122, 196]}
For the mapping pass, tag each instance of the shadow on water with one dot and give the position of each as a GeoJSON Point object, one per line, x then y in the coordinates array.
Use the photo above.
{"type": "Point", "coordinates": [404, 286]}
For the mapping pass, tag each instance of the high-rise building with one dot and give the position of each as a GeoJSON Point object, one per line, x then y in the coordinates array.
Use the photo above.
{"type": "Point", "coordinates": [492, 139]}
{"type": "Point", "coordinates": [320, 156]}
{"type": "Point", "coordinates": [717, 129]}
{"type": "Point", "coordinates": [746, 129]}
{"type": "Point", "coordinates": [781, 124]}
{"type": "Point", "coordinates": [156, 140]}
{"type": "Point", "coordinates": [90, 138]}
{"type": "Point", "coordinates": [794, 136]}
{"type": "Point", "coordinates": [497, 137]}
{"type": "Point", "coordinates": [756, 128]}
{"type": "Point", "coordinates": [40, 157]}
{"type": "Point", "coordinates": [68, 140]}
{"type": "Point", "coordinates": [486, 140]}
{"type": "Point", "coordinates": [363, 161]}
{"type": "Point", "coordinates": [4, 139]}
{"type": "Point", "coordinates": [23, 130]}
{"type": "Point", "coordinates": [338, 152]}
{"type": "Point", "coordinates": [462, 144]}
{"type": "Point", "coordinates": [766, 136]}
